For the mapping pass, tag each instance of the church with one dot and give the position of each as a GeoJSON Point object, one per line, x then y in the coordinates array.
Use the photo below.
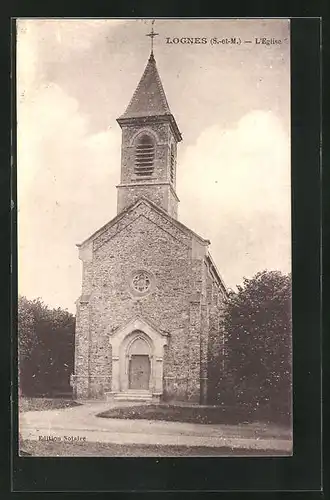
{"type": "Point", "coordinates": [150, 307]}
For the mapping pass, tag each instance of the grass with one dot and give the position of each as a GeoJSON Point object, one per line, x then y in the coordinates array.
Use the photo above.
{"type": "Point", "coordinates": [40, 404]}
{"type": "Point", "coordinates": [175, 413]}
{"type": "Point", "coordinates": [60, 449]}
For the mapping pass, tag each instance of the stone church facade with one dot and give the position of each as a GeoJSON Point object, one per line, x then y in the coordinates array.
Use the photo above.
{"type": "Point", "coordinates": [151, 300]}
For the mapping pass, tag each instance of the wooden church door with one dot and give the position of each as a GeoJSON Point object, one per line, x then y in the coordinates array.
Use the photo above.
{"type": "Point", "coordinates": [139, 372]}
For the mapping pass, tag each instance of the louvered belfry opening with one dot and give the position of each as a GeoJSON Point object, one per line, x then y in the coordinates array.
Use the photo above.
{"type": "Point", "coordinates": [172, 164]}
{"type": "Point", "coordinates": [144, 156]}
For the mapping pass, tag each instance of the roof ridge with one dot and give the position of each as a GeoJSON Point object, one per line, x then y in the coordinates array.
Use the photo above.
{"type": "Point", "coordinates": [160, 85]}
{"type": "Point", "coordinates": [137, 87]}
{"type": "Point", "coordinates": [174, 221]}
{"type": "Point", "coordinates": [129, 208]}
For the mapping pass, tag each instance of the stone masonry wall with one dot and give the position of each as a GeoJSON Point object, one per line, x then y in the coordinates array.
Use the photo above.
{"type": "Point", "coordinates": [144, 244]}
{"type": "Point", "coordinates": [159, 194]}
{"type": "Point", "coordinates": [215, 351]}
{"type": "Point", "coordinates": [143, 209]}
{"type": "Point", "coordinates": [161, 134]}
{"type": "Point", "coordinates": [82, 352]}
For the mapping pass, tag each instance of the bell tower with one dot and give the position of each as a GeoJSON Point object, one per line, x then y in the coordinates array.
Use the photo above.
{"type": "Point", "coordinates": [150, 136]}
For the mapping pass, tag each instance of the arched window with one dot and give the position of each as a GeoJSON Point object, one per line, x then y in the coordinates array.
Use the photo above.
{"type": "Point", "coordinates": [172, 164]}
{"type": "Point", "coordinates": [144, 155]}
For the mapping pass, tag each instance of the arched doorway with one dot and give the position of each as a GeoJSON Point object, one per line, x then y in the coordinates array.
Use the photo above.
{"type": "Point", "coordinates": [139, 365]}
{"type": "Point", "coordinates": [137, 338]}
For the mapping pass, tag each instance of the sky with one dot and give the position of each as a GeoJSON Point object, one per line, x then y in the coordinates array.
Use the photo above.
{"type": "Point", "coordinates": [232, 105]}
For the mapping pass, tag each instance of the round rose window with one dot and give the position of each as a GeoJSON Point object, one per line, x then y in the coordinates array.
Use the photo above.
{"type": "Point", "coordinates": [141, 282]}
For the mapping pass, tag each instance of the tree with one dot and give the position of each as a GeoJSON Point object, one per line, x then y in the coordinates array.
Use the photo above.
{"type": "Point", "coordinates": [257, 325]}
{"type": "Point", "coordinates": [46, 347]}
{"type": "Point", "coordinates": [26, 323]}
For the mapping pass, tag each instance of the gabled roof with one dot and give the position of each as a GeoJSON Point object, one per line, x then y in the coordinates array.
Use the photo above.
{"type": "Point", "coordinates": [157, 209]}
{"type": "Point", "coordinates": [149, 98]}
{"type": "Point", "coordinates": [215, 271]}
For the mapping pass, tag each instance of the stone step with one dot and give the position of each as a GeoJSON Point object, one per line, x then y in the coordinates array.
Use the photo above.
{"type": "Point", "coordinates": [132, 398]}
{"type": "Point", "coordinates": [131, 395]}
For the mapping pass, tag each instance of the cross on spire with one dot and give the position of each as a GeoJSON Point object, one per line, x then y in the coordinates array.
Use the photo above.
{"type": "Point", "coordinates": [152, 35]}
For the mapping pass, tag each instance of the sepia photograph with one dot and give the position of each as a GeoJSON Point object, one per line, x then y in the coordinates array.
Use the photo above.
{"type": "Point", "coordinates": [154, 237]}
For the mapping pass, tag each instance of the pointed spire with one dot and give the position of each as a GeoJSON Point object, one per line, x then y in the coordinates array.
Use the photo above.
{"type": "Point", "coordinates": [149, 98]}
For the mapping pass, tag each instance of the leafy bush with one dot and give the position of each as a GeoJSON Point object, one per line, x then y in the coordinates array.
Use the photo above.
{"type": "Point", "coordinates": [257, 326]}
{"type": "Point", "coordinates": [45, 348]}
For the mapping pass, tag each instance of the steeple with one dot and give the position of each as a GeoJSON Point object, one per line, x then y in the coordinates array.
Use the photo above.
{"type": "Point", "coordinates": [149, 144]}
{"type": "Point", "coordinates": [149, 99]}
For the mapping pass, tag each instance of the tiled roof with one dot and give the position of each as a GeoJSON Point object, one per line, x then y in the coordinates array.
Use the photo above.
{"type": "Point", "coordinates": [149, 97]}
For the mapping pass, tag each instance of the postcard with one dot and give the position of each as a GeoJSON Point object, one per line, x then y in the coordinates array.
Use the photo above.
{"type": "Point", "coordinates": [154, 237]}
